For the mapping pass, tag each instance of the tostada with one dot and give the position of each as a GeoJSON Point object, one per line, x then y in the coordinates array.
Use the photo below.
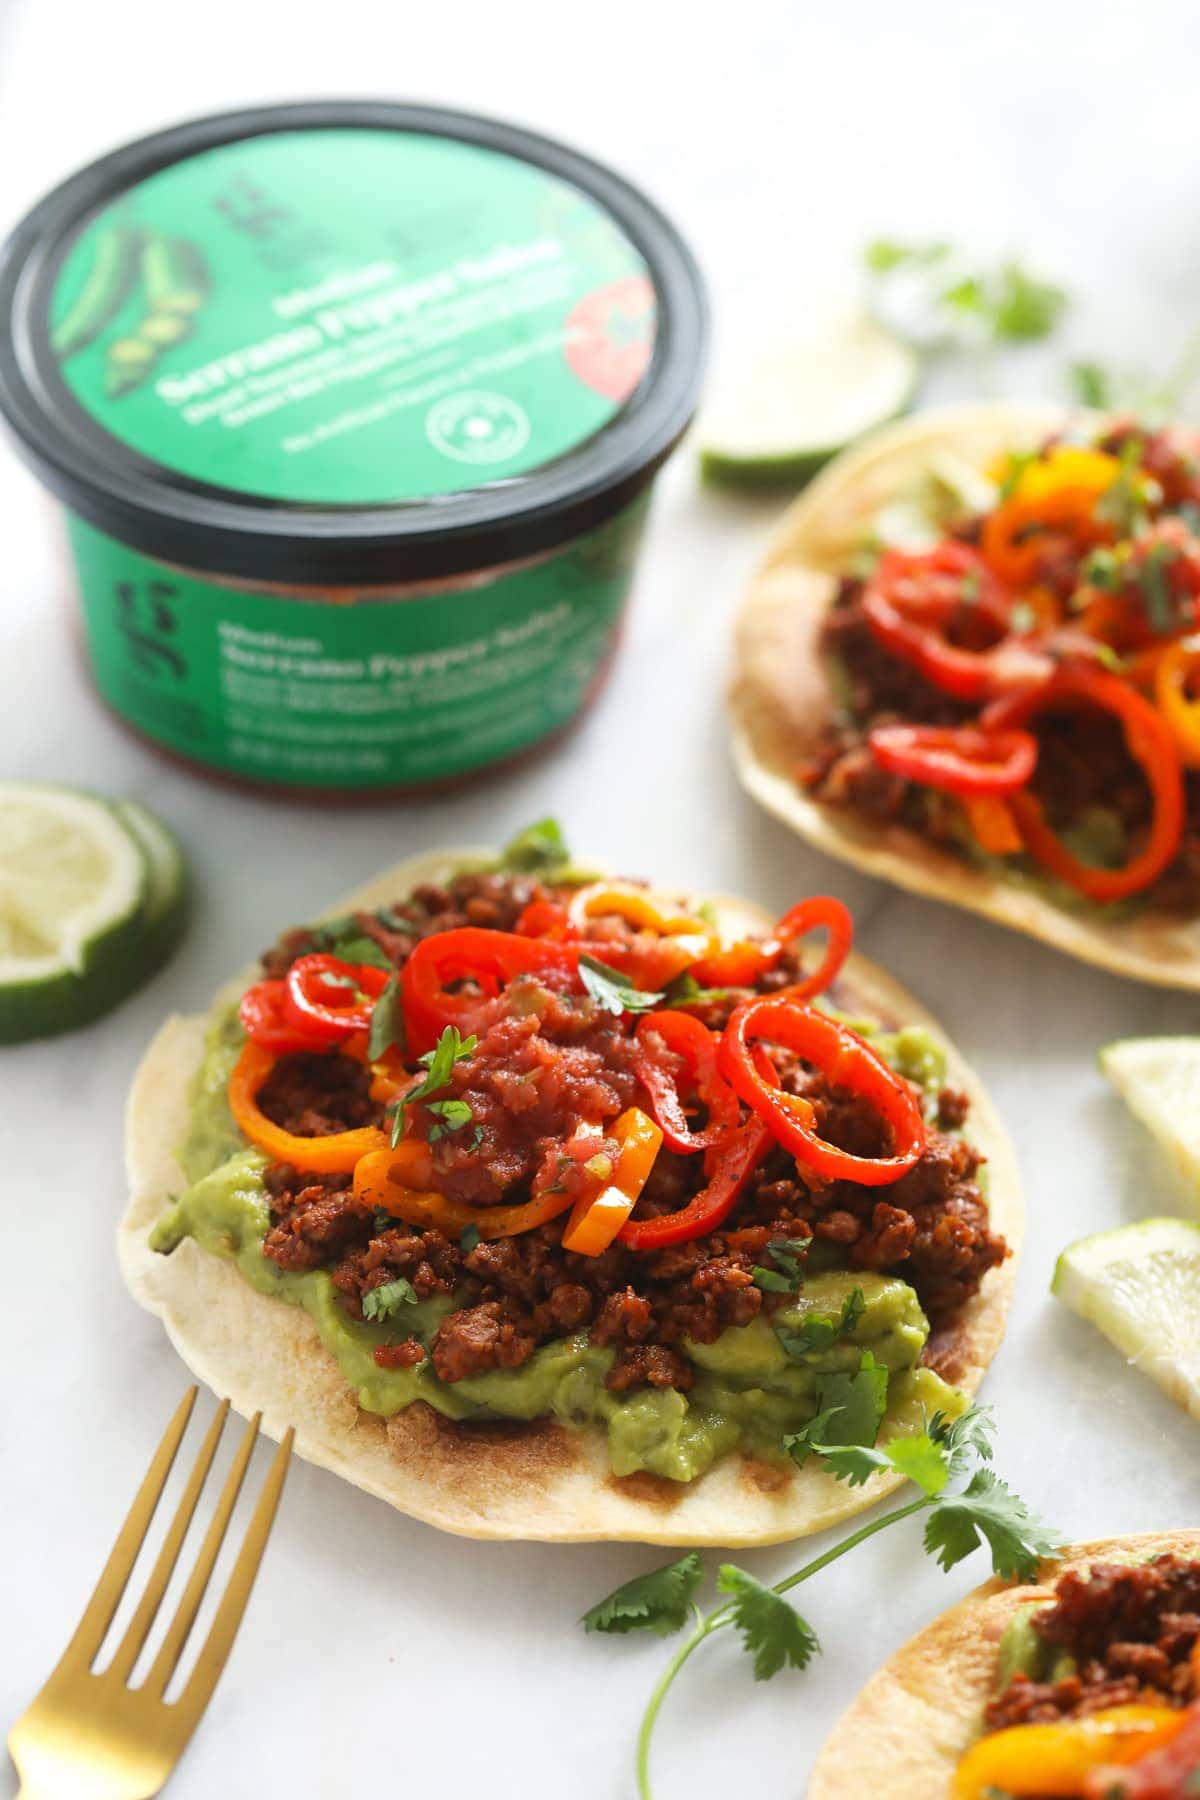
{"type": "Point", "coordinates": [546, 1205]}
{"type": "Point", "coordinates": [971, 664]}
{"type": "Point", "coordinates": [1084, 1686]}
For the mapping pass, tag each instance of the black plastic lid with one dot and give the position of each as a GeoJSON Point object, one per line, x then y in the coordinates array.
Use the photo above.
{"type": "Point", "coordinates": [184, 521]}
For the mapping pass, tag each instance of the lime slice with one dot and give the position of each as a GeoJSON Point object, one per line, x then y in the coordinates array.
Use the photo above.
{"type": "Point", "coordinates": [1140, 1286]}
{"type": "Point", "coordinates": [797, 404]}
{"type": "Point", "coordinates": [165, 904]}
{"type": "Point", "coordinates": [73, 887]}
{"type": "Point", "coordinates": [1159, 1081]}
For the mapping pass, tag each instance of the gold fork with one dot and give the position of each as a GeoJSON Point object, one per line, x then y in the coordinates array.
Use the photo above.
{"type": "Point", "coordinates": [91, 1736]}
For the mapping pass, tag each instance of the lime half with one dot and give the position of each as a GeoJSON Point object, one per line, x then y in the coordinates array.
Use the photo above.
{"type": "Point", "coordinates": [798, 403]}
{"type": "Point", "coordinates": [1159, 1081]}
{"type": "Point", "coordinates": [75, 889]}
{"type": "Point", "coordinates": [1140, 1286]}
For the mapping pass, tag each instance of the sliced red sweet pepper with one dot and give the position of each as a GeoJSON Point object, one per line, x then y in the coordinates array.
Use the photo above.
{"type": "Point", "coordinates": [847, 1061]}
{"type": "Point", "coordinates": [1151, 745]}
{"type": "Point", "coordinates": [487, 959]}
{"type": "Point", "coordinates": [685, 1040]}
{"type": "Point", "coordinates": [330, 998]}
{"type": "Point", "coordinates": [744, 963]}
{"type": "Point", "coordinates": [959, 759]}
{"type": "Point", "coordinates": [269, 1021]}
{"type": "Point", "coordinates": [728, 1165]}
{"type": "Point", "coordinates": [914, 599]}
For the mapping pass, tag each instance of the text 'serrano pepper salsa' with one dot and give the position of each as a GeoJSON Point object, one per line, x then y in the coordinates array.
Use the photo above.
{"type": "Point", "coordinates": [355, 409]}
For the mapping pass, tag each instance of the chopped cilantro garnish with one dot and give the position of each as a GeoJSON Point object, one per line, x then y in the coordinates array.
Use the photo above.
{"type": "Point", "coordinates": [787, 1277]}
{"type": "Point", "coordinates": [387, 1021]}
{"type": "Point", "coordinates": [685, 990]}
{"type": "Point", "coordinates": [1005, 302]}
{"type": "Point", "coordinates": [612, 990]}
{"type": "Point", "coordinates": [469, 1239]}
{"type": "Point", "coordinates": [452, 1116]}
{"type": "Point", "coordinates": [820, 1331]}
{"type": "Point", "coordinates": [385, 1301]}
{"type": "Point", "coordinates": [439, 1064]}
{"type": "Point", "coordinates": [539, 846]}
{"type": "Point", "coordinates": [360, 949]}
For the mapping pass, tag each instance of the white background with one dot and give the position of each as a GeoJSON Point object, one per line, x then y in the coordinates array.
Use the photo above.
{"type": "Point", "coordinates": [380, 1657]}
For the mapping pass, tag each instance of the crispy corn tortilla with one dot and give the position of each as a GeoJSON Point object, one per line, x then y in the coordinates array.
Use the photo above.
{"type": "Point", "coordinates": [539, 1481]}
{"type": "Point", "coordinates": [781, 701]}
{"type": "Point", "coordinates": [911, 1724]}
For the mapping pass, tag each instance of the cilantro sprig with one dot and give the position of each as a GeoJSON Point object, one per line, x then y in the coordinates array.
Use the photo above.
{"type": "Point", "coordinates": [438, 1063]}
{"type": "Point", "coordinates": [386, 1300]}
{"type": "Point", "coordinates": [1002, 303]}
{"type": "Point", "coordinates": [965, 1503]}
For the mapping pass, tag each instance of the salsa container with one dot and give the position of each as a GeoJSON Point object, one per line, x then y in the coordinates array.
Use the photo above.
{"type": "Point", "coordinates": [354, 408]}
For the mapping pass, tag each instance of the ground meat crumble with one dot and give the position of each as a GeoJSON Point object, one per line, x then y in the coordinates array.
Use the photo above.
{"type": "Point", "coordinates": [532, 1067]}
{"type": "Point", "coordinates": [1131, 1630]}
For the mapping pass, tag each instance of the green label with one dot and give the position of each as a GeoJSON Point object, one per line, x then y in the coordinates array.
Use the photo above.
{"type": "Point", "coordinates": [352, 317]}
{"type": "Point", "coordinates": [357, 691]}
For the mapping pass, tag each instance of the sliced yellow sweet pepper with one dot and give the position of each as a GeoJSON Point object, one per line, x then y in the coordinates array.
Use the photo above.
{"type": "Point", "coordinates": [1056, 1760]}
{"type": "Point", "coordinates": [595, 1221]}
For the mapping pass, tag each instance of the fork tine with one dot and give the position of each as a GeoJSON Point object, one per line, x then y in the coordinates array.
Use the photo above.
{"type": "Point", "coordinates": [224, 1628]}
{"type": "Point", "coordinates": [172, 1645]}
{"type": "Point", "coordinates": [106, 1597]}
{"type": "Point", "coordinates": [130, 1646]}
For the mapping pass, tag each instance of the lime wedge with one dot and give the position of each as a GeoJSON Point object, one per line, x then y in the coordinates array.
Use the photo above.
{"type": "Point", "coordinates": [1159, 1081]}
{"type": "Point", "coordinates": [798, 403]}
{"type": "Point", "coordinates": [77, 891]}
{"type": "Point", "coordinates": [1140, 1286]}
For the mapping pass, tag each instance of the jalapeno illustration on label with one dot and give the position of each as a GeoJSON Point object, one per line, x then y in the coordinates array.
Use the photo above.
{"type": "Point", "coordinates": [175, 285]}
{"type": "Point", "coordinates": [108, 285]}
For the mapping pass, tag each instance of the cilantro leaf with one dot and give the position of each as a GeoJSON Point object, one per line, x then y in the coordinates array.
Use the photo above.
{"type": "Point", "coordinates": [800, 1445]}
{"type": "Point", "coordinates": [387, 1021]}
{"type": "Point", "coordinates": [658, 1602]}
{"type": "Point", "coordinates": [453, 1114]}
{"type": "Point", "coordinates": [988, 1509]}
{"type": "Point", "coordinates": [382, 1302]}
{"type": "Point", "coordinates": [919, 1458]}
{"type": "Point", "coordinates": [361, 949]}
{"type": "Point", "coordinates": [685, 990]}
{"type": "Point", "coordinates": [862, 1398]}
{"type": "Point", "coordinates": [968, 1435]}
{"type": "Point", "coordinates": [1092, 384]}
{"type": "Point", "coordinates": [820, 1331]}
{"type": "Point", "coordinates": [1024, 308]}
{"type": "Point", "coordinates": [772, 1630]}
{"type": "Point", "coordinates": [439, 1064]}
{"type": "Point", "coordinates": [471, 1236]}
{"type": "Point", "coordinates": [883, 255]}
{"type": "Point", "coordinates": [539, 846]}
{"type": "Point", "coordinates": [612, 990]}
{"type": "Point", "coordinates": [787, 1277]}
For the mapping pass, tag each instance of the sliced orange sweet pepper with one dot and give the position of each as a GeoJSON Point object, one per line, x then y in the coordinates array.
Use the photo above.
{"type": "Point", "coordinates": [1054, 1760]}
{"type": "Point", "coordinates": [380, 1181]}
{"type": "Point", "coordinates": [336, 1154]}
{"type": "Point", "coordinates": [992, 824]}
{"type": "Point", "coordinates": [1176, 678]}
{"type": "Point", "coordinates": [1056, 496]}
{"type": "Point", "coordinates": [596, 1220]}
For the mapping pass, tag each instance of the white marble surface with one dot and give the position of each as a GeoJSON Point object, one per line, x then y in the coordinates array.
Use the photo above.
{"type": "Point", "coordinates": [379, 1656]}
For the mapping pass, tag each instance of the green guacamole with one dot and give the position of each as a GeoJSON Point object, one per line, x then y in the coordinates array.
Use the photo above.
{"type": "Point", "coordinates": [748, 1391]}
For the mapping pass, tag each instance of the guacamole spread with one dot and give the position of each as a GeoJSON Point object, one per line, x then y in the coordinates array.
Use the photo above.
{"type": "Point", "coordinates": [751, 1387]}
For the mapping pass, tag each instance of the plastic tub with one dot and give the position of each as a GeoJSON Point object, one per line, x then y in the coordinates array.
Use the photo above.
{"type": "Point", "coordinates": [354, 408]}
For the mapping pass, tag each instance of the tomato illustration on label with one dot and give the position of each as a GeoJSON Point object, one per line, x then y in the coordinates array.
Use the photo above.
{"type": "Point", "coordinates": [610, 335]}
